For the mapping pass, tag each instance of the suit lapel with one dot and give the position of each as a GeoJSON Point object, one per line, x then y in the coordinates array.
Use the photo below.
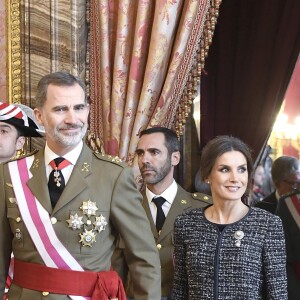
{"type": "Point", "coordinates": [38, 182]}
{"type": "Point", "coordinates": [77, 182]}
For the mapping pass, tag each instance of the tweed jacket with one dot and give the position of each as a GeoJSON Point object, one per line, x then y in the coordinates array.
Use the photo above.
{"type": "Point", "coordinates": [269, 203]}
{"type": "Point", "coordinates": [110, 185]}
{"type": "Point", "coordinates": [210, 264]}
{"type": "Point", "coordinates": [183, 201]}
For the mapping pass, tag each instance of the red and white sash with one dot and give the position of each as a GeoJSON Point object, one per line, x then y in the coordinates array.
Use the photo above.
{"type": "Point", "coordinates": [293, 204]}
{"type": "Point", "coordinates": [38, 222]}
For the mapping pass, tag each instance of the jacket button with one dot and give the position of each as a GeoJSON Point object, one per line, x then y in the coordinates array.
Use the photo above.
{"type": "Point", "coordinates": [45, 294]}
{"type": "Point", "coordinates": [158, 246]}
{"type": "Point", "coordinates": [53, 220]}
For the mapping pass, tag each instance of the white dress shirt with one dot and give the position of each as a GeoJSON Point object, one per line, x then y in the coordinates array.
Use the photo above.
{"type": "Point", "coordinates": [169, 194]}
{"type": "Point", "coordinates": [71, 156]}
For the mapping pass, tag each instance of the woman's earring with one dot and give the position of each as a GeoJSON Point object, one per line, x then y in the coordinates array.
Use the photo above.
{"type": "Point", "coordinates": [207, 182]}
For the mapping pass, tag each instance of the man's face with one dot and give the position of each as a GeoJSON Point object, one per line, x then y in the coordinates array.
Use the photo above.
{"type": "Point", "coordinates": [64, 117]}
{"type": "Point", "coordinates": [10, 143]}
{"type": "Point", "coordinates": [291, 182]}
{"type": "Point", "coordinates": [155, 163]}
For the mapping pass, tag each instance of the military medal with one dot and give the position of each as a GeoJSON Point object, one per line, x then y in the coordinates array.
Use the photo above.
{"type": "Point", "coordinates": [57, 178]}
{"type": "Point", "coordinates": [75, 222]}
{"type": "Point", "coordinates": [89, 208]}
{"type": "Point", "coordinates": [87, 238]}
{"type": "Point", "coordinates": [100, 223]}
{"type": "Point", "coordinates": [88, 219]}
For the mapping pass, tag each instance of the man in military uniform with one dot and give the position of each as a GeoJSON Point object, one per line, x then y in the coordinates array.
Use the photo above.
{"type": "Point", "coordinates": [15, 125]}
{"type": "Point", "coordinates": [63, 235]}
{"type": "Point", "coordinates": [158, 154]}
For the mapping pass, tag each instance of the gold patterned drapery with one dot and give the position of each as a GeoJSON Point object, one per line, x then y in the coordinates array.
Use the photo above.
{"type": "Point", "coordinates": [144, 60]}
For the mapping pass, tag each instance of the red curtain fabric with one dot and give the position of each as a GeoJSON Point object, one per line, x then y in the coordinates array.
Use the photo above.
{"type": "Point", "coordinates": [143, 65]}
{"type": "Point", "coordinates": [254, 50]}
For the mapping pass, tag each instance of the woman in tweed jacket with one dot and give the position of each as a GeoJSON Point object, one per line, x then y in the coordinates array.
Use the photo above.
{"type": "Point", "coordinates": [228, 250]}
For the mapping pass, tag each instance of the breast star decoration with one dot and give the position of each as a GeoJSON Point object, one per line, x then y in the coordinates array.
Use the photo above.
{"type": "Point", "coordinates": [89, 222]}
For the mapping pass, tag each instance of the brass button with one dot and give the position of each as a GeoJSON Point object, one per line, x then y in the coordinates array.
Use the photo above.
{"type": "Point", "coordinates": [88, 222]}
{"type": "Point", "coordinates": [12, 200]}
{"type": "Point", "coordinates": [205, 198]}
{"type": "Point", "coordinates": [158, 246]}
{"type": "Point", "coordinates": [18, 219]}
{"type": "Point", "coordinates": [53, 220]}
{"type": "Point", "coordinates": [45, 294]}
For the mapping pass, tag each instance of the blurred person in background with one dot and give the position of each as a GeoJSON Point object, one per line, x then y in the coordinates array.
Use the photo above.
{"type": "Point", "coordinates": [285, 173]}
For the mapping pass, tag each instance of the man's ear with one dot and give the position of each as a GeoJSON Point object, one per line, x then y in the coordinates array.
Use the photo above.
{"type": "Point", "coordinates": [175, 158]}
{"type": "Point", "coordinates": [20, 142]}
{"type": "Point", "coordinates": [38, 116]}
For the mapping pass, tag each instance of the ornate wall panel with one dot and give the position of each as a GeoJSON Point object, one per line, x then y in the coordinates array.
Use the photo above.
{"type": "Point", "coordinates": [2, 50]}
{"type": "Point", "coordinates": [52, 37]}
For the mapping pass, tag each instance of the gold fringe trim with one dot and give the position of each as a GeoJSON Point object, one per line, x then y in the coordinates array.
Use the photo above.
{"type": "Point", "coordinates": [190, 90]}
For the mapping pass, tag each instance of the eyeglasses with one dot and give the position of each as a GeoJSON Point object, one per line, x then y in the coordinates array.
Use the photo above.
{"type": "Point", "coordinates": [295, 184]}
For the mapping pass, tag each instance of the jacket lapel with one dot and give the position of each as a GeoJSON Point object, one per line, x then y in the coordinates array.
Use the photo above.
{"type": "Point", "coordinates": [77, 182]}
{"type": "Point", "coordinates": [145, 204]}
{"type": "Point", "coordinates": [179, 205]}
{"type": "Point", "coordinates": [38, 182]}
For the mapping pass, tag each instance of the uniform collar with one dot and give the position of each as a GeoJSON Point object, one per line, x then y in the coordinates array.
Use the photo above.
{"type": "Point", "coordinates": [169, 193]}
{"type": "Point", "coordinates": [71, 156]}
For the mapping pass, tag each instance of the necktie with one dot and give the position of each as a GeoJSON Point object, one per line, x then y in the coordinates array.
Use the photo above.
{"type": "Point", "coordinates": [56, 181]}
{"type": "Point", "coordinates": [160, 216]}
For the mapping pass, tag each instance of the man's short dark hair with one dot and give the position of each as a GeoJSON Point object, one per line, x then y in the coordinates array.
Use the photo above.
{"type": "Point", "coordinates": [171, 139]}
{"type": "Point", "coordinates": [57, 79]}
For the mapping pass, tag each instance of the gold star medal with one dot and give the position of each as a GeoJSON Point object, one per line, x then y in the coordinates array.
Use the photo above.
{"type": "Point", "coordinates": [87, 238]}
{"type": "Point", "coordinates": [100, 223]}
{"type": "Point", "coordinates": [75, 222]}
{"type": "Point", "coordinates": [89, 208]}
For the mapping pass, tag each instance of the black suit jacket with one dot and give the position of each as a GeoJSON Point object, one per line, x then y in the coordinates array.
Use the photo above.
{"type": "Point", "coordinates": [269, 203]}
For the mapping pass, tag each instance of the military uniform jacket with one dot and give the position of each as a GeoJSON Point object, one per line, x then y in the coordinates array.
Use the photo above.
{"type": "Point", "coordinates": [164, 242]}
{"type": "Point", "coordinates": [110, 185]}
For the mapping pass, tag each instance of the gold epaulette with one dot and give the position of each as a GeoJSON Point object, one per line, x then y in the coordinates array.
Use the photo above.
{"type": "Point", "coordinates": [202, 197]}
{"type": "Point", "coordinates": [110, 158]}
{"type": "Point", "coordinates": [23, 155]}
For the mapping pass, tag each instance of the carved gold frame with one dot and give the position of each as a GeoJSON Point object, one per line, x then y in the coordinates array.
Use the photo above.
{"type": "Point", "coordinates": [13, 51]}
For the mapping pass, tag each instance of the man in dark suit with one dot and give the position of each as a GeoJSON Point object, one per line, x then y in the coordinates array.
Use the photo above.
{"type": "Point", "coordinates": [285, 175]}
{"type": "Point", "coordinates": [289, 212]}
{"type": "Point", "coordinates": [158, 154]}
{"type": "Point", "coordinates": [63, 243]}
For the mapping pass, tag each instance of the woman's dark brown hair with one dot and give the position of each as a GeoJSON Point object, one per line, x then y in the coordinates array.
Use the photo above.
{"type": "Point", "coordinates": [217, 147]}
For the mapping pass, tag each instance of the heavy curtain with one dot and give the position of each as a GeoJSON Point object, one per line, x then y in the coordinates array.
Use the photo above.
{"type": "Point", "coordinates": [255, 47]}
{"type": "Point", "coordinates": [144, 60]}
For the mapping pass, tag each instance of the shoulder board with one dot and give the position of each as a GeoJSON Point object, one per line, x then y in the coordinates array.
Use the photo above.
{"type": "Point", "coordinates": [202, 197]}
{"type": "Point", "coordinates": [23, 155]}
{"type": "Point", "coordinates": [110, 158]}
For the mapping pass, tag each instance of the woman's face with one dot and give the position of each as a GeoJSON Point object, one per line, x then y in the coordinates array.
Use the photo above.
{"type": "Point", "coordinates": [229, 176]}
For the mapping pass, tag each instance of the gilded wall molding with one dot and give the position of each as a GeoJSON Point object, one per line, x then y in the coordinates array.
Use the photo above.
{"type": "Point", "coordinates": [13, 51]}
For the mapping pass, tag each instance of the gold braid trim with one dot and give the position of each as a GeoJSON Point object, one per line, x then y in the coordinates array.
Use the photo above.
{"type": "Point", "coordinates": [190, 90]}
{"type": "Point", "coordinates": [13, 40]}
